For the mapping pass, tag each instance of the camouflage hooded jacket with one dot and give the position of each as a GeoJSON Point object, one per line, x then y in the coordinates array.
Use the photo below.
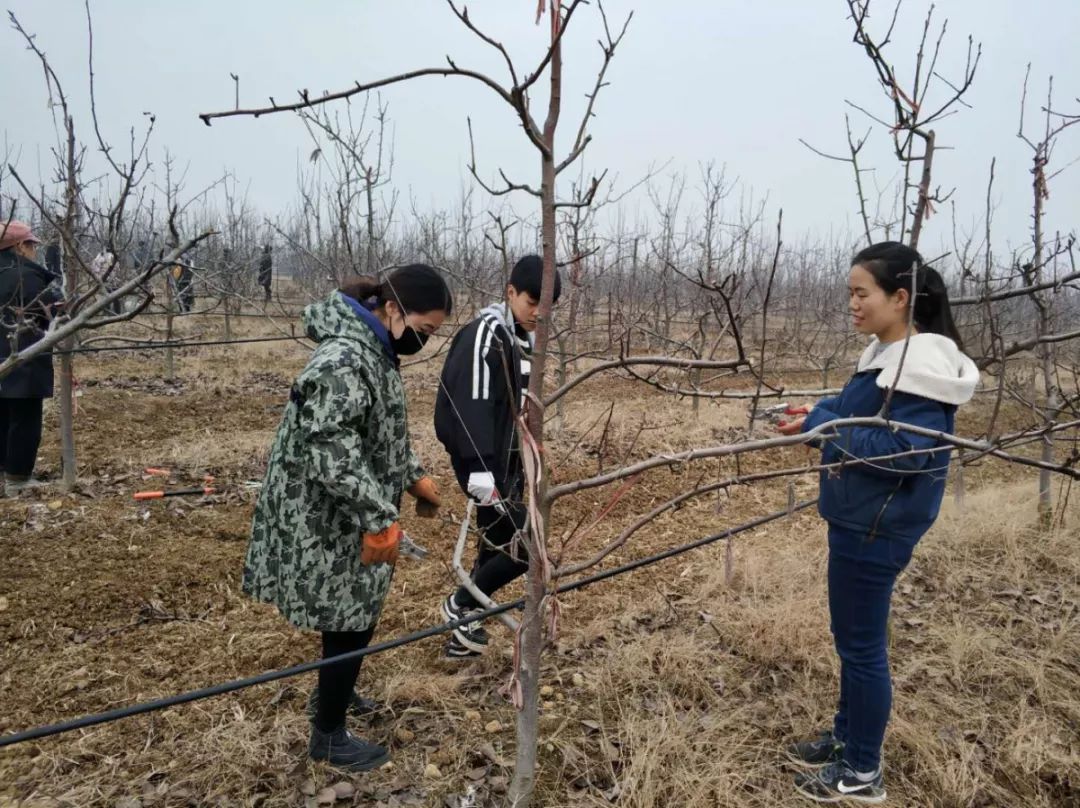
{"type": "Point", "coordinates": [337, 470]}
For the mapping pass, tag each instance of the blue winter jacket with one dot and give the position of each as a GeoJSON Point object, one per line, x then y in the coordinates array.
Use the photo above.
{"type": "Point", "coordinates": [898, 498]}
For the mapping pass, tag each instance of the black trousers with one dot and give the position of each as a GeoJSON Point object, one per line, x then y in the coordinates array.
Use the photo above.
{"type": "Point", "coordinates": [20, 434]}
{"type": "Point", "coordinates": [496, 564]}
{"type": "Point", "coordinates": [336, 682]}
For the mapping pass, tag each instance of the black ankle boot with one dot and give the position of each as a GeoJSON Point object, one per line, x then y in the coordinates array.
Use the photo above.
{"type": "Point", "coordinates": [344, 750]}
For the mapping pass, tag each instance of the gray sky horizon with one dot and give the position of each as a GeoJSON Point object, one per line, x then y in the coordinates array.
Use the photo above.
{"type": "Point", "coordinates": [694, 81]}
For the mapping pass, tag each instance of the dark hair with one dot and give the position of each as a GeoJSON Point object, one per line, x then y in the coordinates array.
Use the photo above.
{"type": "Point", "coordinates": [528, 274]}
{"type": "Point", "coordinates": [891, 263]}
{"type": "Point", "coordinates": [417, 288]}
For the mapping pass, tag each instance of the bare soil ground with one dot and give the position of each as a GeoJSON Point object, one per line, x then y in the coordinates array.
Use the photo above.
{"type": "Point", "coordinates": [673, 686]}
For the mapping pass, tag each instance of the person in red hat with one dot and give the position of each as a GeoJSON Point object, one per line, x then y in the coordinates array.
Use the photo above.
{"type": "Point", "coordinates": [27, 301]}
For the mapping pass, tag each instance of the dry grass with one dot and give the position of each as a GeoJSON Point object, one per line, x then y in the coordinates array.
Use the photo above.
{"type": "Point", "coordinates": [669, 687]}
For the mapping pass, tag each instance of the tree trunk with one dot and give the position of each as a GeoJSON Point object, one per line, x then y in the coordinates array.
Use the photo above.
{"type": "Point", "coordinates": [71, 277]}
{"type": "Point", "coordinates": [556, 424]}
{"type": "Point", "coordinates": [532, 622]}
{"type": "Point", "coordinates": [1053, 406]}
{"type": "Point", "coordinates": [1044, 325]}
{"type": "Point", "coordinates": [369, 254]}
{"type": "Point", "coordinates": [922, 206]}
{"type": "Point", "coordinates": [67, 417]}
{"type": "Point", "coordinates": [170, 364]}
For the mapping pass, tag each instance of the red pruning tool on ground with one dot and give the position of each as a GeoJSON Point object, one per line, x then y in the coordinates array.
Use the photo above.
{"type": "Point", "coordinates": [179, 492]}
{"type": "Point", "coordinates": [202, 490]}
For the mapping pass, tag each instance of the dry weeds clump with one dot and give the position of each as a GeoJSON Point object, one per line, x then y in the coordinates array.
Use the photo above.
{"type": "Point", "coordinates": [715, 679]}
{"type": "Point", "coordinates": [670, 686]}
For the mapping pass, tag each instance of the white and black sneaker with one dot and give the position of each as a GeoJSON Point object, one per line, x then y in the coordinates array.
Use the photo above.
{"type": "Point", "coordinates": [471, 636]}
{"type": "Point", "coordinates": [837, 782]}
{"type": "Point", "coordinates": [455, 651]}
{"type": "Point", "coordinates": [816, 752]}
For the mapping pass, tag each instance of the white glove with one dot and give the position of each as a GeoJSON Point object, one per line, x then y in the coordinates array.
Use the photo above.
{"type": "Point", "coordinates": [481, 487]}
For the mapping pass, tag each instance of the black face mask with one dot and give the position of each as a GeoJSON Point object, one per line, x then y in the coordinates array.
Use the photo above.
{"type": "Point", "coordinates": [411, 341]}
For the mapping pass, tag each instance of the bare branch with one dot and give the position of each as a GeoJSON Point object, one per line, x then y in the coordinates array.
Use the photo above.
{"type": "Point", "coordinates": [629, 361]}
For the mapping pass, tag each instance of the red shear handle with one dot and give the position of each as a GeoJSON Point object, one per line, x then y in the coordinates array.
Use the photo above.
{"type": "Point", "coordinates": [182, 492]}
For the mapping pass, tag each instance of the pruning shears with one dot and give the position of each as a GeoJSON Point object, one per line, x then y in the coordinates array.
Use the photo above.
{"type": "Point", "coordinates": [776, 413]}
{"type": "Point", "coordinates": [407, 547]}
{"type": "Point", "coordinates": [792, 411]}
{"type": "Point", "coordinates": [773, 414]}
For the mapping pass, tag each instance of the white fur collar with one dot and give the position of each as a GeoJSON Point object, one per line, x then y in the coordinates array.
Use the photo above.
{"type": "Point", "coordinates": [933, 368]}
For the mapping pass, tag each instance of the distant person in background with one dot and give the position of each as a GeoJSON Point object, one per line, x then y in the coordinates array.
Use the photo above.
{"type": "Point", "coordinates": [104, 268]}
{"type": "Point", "coordinates": [28, 297]}
{"type": "Point", "coordinates": [266, 271]}
{"type": "Point", "coordinates": [141, 257]}
{"type": "Point", "coordinates": [184, 277]}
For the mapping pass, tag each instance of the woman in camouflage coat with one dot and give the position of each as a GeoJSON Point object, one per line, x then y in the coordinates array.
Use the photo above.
{"type": "Point", "coordinates": [324, 537]}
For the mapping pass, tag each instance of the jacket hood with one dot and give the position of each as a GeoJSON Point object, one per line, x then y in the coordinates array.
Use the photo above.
{"type": "Point", "coordinates": [933, 367]}
{"type": "Point", "coordinates": [502, 314]}
{"type": "Point", "coordinates": [336, 318]}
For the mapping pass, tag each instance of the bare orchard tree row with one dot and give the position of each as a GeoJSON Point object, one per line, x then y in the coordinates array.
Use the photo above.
{"type": "Point", "coordinates": [706, 301]}
{"type": "Point", "coordinates": [702, 295]}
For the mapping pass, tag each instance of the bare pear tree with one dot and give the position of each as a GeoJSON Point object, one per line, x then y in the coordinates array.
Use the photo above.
{"type": "Point", "coordinates": [358, 154]}
{"type": "Point", "coordinates": [90, 298]}
{"type": "Point", "coordinates": [915, 110]}
{"type": "Point", "coordinates": [1045, 252]}
{"type": "Point", "coordinates": [516, 94]}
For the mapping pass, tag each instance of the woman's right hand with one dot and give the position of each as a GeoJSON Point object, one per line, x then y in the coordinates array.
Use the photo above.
{"type": "Point", "coordinates": [794, 427]}
{"type": "Point", "coordinates": [381, 547]}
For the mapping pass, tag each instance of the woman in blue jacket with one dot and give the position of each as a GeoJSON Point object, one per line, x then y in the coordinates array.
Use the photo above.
{"type": "Point", "coordinates": [882, 494]}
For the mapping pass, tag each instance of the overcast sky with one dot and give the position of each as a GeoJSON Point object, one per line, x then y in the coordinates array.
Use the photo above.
{"type": "Point", "coordinates": [735, 81]}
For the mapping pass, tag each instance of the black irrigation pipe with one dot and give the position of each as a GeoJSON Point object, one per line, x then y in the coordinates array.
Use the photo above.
{"type": "Point", "coordinates": [159, 345]}
{"type": "Point", "coordinates": [285, 673]}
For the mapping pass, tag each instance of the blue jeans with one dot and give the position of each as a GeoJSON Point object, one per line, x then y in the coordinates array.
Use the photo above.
{"type": "Point", "coordinates": [861, 576]}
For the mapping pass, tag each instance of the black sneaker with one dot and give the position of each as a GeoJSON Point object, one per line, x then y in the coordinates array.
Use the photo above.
{"type": "Point", "coordinates": [345, 751]}
{"type": "Point", "coordinates": [454, 650]}
{"type": "Point", "coordinates": [819, 751]}
{"type": "Point", "coordinates": [358, 705]}
{"type": "Point", "coordinates": [471, 635]}
{"type": "Point", "coordinates": [837, 782]}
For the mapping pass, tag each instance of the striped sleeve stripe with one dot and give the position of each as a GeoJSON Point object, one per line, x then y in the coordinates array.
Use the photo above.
{"type": "Point", "coordinates": [481, 376]}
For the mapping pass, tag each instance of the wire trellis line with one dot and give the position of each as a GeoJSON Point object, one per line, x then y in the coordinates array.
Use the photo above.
{"type": "Point", "coordinates": [148, 346]}
{"type": "Point", "coordinates": [221, 688]}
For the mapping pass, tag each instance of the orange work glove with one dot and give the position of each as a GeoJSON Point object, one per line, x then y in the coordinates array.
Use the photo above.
{"type": "Point", "coordinates": [427, 497]}
{"type": "Point", "coordinates": [382, 547]}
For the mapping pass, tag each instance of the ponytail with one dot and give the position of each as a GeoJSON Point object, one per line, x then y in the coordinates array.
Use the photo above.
{"type": "Point", "coordinates": [932, 311]}
{"type": "Point", "coordinates": [891, 263]}
{"type": "Point", "coordinates": [417, 288]}
{"type": "Point", "coordinates": [361, 287]}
